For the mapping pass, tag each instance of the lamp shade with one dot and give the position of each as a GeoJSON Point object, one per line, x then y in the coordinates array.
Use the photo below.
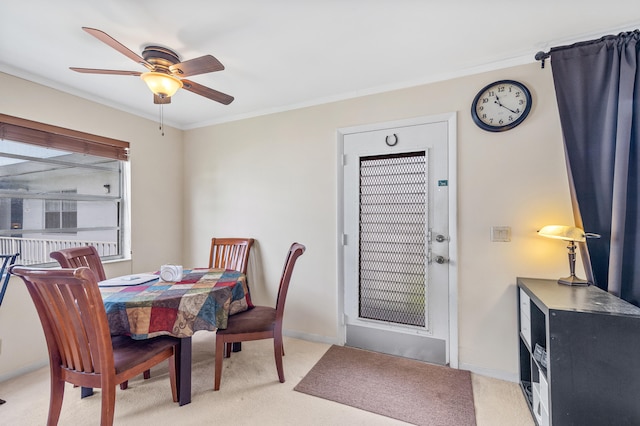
{"type": "Point", "coordinates": [573, 235]}
{"type": "Point", "coordinates": [561, 232]}
{"type": "Point", "coordinates": [163, 85]}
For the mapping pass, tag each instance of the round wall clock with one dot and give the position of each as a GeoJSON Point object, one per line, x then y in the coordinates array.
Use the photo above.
{"type": "Point", "coordinates": [501, 105]}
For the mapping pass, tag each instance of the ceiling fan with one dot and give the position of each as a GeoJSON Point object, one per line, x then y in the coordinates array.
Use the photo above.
{"type": "Point", "coordinates": [166, 72]}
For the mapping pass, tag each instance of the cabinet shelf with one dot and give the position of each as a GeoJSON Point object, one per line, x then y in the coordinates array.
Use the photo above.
{"type": "Point", "coordinates": [592, 344]}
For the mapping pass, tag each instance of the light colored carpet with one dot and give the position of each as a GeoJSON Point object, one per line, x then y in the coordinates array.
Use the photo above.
{"type": "Point", "coordinates": [250, 394]}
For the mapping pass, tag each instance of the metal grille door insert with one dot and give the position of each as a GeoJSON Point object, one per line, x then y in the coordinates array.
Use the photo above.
{"type": "Point", "coordinates": [393, 206]}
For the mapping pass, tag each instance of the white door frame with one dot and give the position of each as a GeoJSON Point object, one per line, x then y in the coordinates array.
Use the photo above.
{"type": "Point", "coordinates": [450, 118]}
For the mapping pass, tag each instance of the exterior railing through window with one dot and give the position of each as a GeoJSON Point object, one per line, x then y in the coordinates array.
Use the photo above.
{"type": "Point", "coordinates": [34, 251]}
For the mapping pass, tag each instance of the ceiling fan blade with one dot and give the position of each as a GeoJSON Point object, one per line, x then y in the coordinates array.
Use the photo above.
{"type": "Point", "coordinates": [201, 65]}
{"type": "Point", "coordinates": [101, 71]}
{"type": "Point", "coordinates": [115, 44]}
{"type": "Point", "coordinates": [207, 92]}
{"type": "Point", "coordinates": [161, 100]}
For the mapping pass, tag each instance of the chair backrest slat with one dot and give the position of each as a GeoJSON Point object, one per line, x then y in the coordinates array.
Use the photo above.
{"type": "Point", "coordinates": [77, 302]}
{"type": "Point", "coordinates": [56, 312]}
{"type": "Point", "coordinates": [62, 309]}
{"type": "Point", "coordinates": [230, 253]}
{"type": "Point", "coordinates": [75, 257]}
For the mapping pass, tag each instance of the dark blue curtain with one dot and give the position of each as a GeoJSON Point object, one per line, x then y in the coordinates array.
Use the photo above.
{"type": "Point", "coordinates": [598, 91]}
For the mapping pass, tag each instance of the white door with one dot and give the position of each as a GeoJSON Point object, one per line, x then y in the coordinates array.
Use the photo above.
{"type": "Point", "coordinates": [397, 242]}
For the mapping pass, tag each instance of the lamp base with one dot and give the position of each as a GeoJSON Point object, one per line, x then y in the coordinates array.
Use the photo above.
{"type": "Point", "coordinates": [573, 280]}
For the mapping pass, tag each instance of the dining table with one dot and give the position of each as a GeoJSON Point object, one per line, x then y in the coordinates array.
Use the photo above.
{"type": "Point", "coordinates": [202, 299]}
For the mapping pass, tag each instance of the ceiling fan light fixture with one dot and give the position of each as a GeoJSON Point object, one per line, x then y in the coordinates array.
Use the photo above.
{"type": "Point", "coordinates": [163, 85]}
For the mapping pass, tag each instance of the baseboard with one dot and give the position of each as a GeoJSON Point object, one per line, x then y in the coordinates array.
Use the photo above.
{"type": "Point", "coordinates": [24, 370]}
{"type": "Point", "coordinates": [496, 374]}
{"type": "Point", "coordinates": [312, 337]}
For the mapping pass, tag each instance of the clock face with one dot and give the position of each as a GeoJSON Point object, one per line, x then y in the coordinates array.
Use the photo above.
{"type": "Point", "coordinates": [501, 105]}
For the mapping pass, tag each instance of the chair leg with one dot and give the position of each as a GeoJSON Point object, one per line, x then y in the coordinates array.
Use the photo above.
{"type": "Point", "coordinates": [146, 375]}
{"type": "Point", "coordinates": [55, 400]}
{"type": "Point", "coordinates": [173, 367]}
{"type": "Point", "coordinates": [228, 349]}
{"type": "Point", "coordinates": [220, 346]}
{"type": "Point", "coordinates": [278, 352]}
{"type": "Point", "coordinates": [108, 405]}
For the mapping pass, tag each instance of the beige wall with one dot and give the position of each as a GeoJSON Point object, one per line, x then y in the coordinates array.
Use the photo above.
{"type": "Point", "coordinates": [275, 178]}
{"type": "Point", "coordinates": [156, 169]}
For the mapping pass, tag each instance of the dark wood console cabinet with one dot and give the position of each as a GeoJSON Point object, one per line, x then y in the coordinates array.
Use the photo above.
{"type": "Point", "coordinates": [592, 344]}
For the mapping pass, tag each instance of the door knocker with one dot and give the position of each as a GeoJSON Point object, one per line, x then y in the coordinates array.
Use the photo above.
{"type": "Point", "coordinates": [391, 142]}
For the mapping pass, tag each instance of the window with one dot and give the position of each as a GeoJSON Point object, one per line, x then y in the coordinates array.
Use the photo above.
{"type": "Point", "coordinates": [61, 214]}
{"type": "Point", "coordinates": [60, 188]}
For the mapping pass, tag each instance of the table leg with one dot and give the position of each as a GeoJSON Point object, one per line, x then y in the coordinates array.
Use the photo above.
{"type": "Point", "coordinates": [184, 371]}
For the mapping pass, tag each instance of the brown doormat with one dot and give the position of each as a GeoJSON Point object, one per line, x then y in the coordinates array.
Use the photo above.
{"type": "Point", "coordinates": [404, 389]}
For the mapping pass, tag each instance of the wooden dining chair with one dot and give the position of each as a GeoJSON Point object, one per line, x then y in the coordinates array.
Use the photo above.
{"type": "Point", "coordinates": [230, 253]}
{"type": "Point", "coordinates": [88, 256]}
{"type": "Point", "coordinates": [261, 322]}
{"type": "Point", "coordinates": [76, 257]}
{"type": "Point", "coordinates": [81, 349]}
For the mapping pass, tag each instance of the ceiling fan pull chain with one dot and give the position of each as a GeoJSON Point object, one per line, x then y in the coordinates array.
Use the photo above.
{"type": "Point", "coordinates": [161, 120]}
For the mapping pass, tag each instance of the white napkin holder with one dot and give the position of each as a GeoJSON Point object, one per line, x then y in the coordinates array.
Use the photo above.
{"type": "Point", "coordinates": [171, 273]}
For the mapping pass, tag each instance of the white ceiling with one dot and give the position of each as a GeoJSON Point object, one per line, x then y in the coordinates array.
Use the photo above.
{"type": "Point", "coordinates": [282, 54]}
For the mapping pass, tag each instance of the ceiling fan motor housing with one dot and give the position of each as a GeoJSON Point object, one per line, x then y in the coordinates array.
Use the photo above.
{"type": "Point", "coordinates": [161, 57]}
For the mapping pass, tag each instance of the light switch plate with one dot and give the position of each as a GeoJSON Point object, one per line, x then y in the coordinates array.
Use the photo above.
{"type": "Point", "coordinates": [501, 234]}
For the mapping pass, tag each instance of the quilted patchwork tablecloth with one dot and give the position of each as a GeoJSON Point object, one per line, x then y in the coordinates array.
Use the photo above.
{"type": "Point", "coordinates": [202, 300]}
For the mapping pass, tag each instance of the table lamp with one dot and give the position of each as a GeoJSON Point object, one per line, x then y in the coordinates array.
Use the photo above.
{"type": "Point", "coordinates": [571, 234]}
